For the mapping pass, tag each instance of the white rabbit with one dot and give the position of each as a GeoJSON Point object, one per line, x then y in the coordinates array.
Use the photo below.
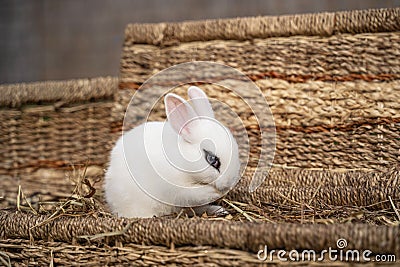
{"type": "Point", "coordinates": [158, 168]}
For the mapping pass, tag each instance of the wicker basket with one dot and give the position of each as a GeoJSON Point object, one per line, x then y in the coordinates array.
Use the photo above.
{"type": "Point", "coordinates": [332, 81]}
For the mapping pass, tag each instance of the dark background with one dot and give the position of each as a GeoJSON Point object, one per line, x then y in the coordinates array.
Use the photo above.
{"type": "Point", "coordinates": [55, 39]}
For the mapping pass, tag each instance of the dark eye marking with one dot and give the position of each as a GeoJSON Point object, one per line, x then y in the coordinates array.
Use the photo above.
{"type": "Point", "coordinates": [212, 160]}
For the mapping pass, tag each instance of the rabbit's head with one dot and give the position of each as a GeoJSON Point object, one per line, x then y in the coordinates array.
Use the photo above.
{"type": "Point", "coordinates": [206, 152]}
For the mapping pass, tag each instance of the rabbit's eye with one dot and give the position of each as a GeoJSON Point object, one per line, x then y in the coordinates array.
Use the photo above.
{"type": "Point", "coordinates": [212, 160]}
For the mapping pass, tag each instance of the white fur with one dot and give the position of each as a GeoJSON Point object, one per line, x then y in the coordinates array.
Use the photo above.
{"type": "Point", "coordinates": [166, 159]}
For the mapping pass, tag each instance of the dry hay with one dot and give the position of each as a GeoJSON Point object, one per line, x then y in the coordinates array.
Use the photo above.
{"type": "Point", "coordinates": [278, 200]}
{"type": "Point", "coordinates": [80, 230]}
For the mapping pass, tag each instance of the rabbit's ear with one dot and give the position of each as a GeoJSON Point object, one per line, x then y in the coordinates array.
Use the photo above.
{"type": "Point", "coordinates": [180, 115]}
{"type": "Point", "coordinates": [200, 102]}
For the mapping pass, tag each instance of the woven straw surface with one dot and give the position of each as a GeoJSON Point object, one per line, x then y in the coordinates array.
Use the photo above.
{"type": "Point", "coordinates": [338, 57]}
{"type": "Point", "coordinates": [64, 92]}
{"type": "Point", "coordinates": [55, 124]}
{"type": "Point", "coordinates": [380, 239]}
{"type": "Point", "coordinates": [332, 81]}
{"type": "Point", "coordinates": [333, 87]}
{"type": "Point", "coordinates": [323, 24]}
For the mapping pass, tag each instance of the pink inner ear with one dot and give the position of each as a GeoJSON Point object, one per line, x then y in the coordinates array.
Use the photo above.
{"type": "Point", "coordinates": [178, 115]}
